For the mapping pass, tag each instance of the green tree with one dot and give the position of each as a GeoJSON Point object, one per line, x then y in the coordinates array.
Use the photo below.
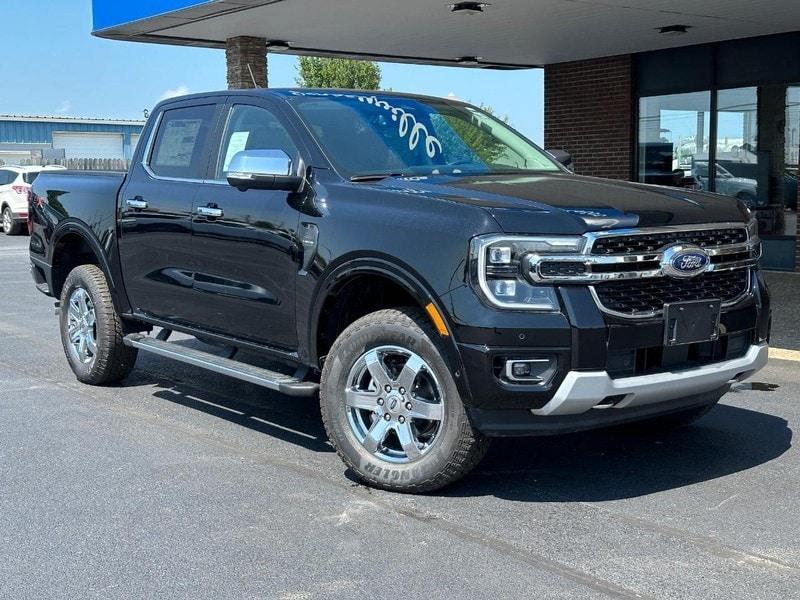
{"type": "Point", "coordinates": [482, 143]}
{"type": "Point", "coordinates": [343, 73]}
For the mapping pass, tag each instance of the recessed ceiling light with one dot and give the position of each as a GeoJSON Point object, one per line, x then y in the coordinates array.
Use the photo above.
{"type": "Point", "coordinates": [674, 29]}
{"type": "Point", "coordinates": [469, 60]}
{"type": "Point", "coordinates": [468, 8]}
{"type": "Point", "coordinates": [278, 45]}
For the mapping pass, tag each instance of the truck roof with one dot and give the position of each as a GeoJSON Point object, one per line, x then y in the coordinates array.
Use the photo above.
{"type": "Point", "coordinates": [285, 93]}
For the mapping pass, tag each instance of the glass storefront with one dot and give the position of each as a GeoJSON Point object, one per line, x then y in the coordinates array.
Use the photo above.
{"type": "Point", "coordinates": [751, 137]}
{"type": "Point", "coordinates": [673, 131]}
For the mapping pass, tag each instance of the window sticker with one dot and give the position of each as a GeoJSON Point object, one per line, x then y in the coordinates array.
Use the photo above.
{"type": "Point", "coordinates": [237, 143]}
{"type": "Point", "coordinates": [176, 146]}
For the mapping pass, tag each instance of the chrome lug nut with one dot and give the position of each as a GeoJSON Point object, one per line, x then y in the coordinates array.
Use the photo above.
{"type": "Point", "coordinates": [388, 388]}
{"type": "Point", "coordinates": [408, 405]}
{"type": "Point", "coordinates": [387, 417]}
{"type": "Point", "coordinates": [402, 419]}
{"type": "Point", "coordinates": [402, 391]}
{"type": "Point", "coordinates": [380, 401]}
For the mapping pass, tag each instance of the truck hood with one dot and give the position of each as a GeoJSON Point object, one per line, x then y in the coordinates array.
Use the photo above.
{"type": "Point", "coordinates": [566, 203]}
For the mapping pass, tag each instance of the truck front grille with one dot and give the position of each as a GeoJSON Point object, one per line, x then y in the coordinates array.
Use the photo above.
{"type": "Point", "coordinates": [652, 242]}
{"type": "Point", "coordinates": [636, 297]}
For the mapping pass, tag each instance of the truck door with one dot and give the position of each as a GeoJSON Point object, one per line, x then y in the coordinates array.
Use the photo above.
{"type": "Point", "coordinates": [156, 211]}
{"type": "Point", "coordinates": [245, 243]}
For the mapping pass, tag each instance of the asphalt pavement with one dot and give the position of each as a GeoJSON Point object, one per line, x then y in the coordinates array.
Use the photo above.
{"type": "Point", "coordinates": [184, 484]}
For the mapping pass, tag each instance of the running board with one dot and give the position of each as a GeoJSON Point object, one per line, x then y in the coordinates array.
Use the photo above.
{"type": "Point", "coordinates": [285, 384]}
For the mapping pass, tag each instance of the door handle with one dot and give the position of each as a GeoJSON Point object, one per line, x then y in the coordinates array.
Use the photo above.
{"type": "Point", "coordinates": [209, 211]}
{"type": "Point", "coordinates": [136, 203]}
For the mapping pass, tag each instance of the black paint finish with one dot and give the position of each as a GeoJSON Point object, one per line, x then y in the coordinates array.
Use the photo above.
{"type": "Point", "coordinates": [239, 278]}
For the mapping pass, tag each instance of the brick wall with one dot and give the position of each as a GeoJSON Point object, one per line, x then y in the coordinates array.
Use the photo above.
{"type": "Point", "coordinates": [588, 111]}
{"type": "Point", "coordinates": [241, 52]}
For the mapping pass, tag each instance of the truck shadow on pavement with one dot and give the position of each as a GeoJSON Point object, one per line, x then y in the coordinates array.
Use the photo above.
{"type": "Point", "coordinates": [618, 463]}
{"type": "Point", "coordinates": [294, 420]}
{"type": "Point", "coordinates": [605, 464]}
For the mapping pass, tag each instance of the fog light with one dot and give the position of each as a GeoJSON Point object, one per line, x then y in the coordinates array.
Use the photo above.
{"type": "Point", "coordinates": [521, 369]}
{"type": "Point", "coordinates": [530, 370]}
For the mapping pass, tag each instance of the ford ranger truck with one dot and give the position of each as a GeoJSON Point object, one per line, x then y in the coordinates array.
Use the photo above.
{"type": "Point", "coordinates": [433, 276]}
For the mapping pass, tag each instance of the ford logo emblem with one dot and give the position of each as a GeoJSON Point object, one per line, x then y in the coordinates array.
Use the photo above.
{"type": "Point", "coordinates": [682, 262]}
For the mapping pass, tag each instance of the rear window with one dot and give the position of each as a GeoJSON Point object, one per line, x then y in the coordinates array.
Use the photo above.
{"type": "Point", "coordinates": [7, 177]}
{"type": "Point", "coordinates": [179, 149]}
{"type": "Point", "coordinates": [30, 177]}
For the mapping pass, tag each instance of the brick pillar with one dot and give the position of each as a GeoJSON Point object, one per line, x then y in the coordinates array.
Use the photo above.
{"type": "Point", "coordinates": [241, 52]}
{"type": "Point", "coordinates": [588, 111]}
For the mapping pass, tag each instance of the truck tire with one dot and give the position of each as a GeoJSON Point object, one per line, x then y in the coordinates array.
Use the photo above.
{"type": "Point", "coordinates": [391, 407]}
{"type": "Point", "coordinates": [91, 329]}
{"type": "Point", "coordinates": [10, 226]}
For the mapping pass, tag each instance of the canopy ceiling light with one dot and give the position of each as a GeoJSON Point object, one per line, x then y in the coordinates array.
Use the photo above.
{"type": "Point", "coordinates": [674, 30]}
{"type": "Point", "coordinates": [278, 45]}
{"type": "Point", "coordinates": [468, 8]}
{"type": "Point", "coordinates": [470, 60]}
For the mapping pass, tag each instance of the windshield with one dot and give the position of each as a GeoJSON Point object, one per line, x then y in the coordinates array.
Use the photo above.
{"type": "Point", "coordinates": [374, 134]}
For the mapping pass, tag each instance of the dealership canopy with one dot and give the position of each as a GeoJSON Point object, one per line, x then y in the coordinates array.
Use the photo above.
{"type": "Point", "coordinates": [501, 33]}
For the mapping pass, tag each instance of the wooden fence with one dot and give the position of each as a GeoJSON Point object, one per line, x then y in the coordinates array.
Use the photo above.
{"type": "Point", "coordinates": [84, 164]}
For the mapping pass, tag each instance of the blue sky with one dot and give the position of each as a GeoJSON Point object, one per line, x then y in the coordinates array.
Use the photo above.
{"type": "Point", "coordinates": [54, 66]}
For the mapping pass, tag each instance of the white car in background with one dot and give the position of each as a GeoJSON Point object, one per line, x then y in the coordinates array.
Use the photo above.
{"type": "Point", "coordinates": [15, 182]}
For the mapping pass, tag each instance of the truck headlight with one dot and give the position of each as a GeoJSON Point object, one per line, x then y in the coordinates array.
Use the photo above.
{"type": "Point", "coordinates": [752, 230]}
{"type": "Point", "coordinates": [496, 266]}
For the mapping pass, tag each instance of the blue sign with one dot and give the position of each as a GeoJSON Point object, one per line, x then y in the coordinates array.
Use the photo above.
{"type": "Point", "coordinates": [113, 13]}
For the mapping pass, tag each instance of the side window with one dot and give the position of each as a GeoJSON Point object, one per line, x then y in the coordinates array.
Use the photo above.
{"type": "Point", "coordinates": [6, 177]}
{"type": "Point", "coordinates": [253, 128]}
{"type": "Point", "coordinates": [178, 150]}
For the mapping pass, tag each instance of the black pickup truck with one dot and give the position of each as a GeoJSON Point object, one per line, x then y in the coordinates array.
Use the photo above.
{"type": "Point", "coordinates": [435, 277]}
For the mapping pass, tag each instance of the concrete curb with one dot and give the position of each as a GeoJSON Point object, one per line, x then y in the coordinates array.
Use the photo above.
{"type": "Point", "coordinates": [782, 354]}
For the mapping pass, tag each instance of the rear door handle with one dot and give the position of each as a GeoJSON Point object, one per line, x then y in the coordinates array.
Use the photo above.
{"type": "Point", "coordinates": [209, 211]}
{"type": "Point", "coordinates": [136, 203]}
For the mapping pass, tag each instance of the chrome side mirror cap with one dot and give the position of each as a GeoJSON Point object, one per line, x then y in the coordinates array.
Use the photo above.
{"type": "Point", "coordinates": [262, 170]}
{"type": "Point", "coordinates": [562, 156]}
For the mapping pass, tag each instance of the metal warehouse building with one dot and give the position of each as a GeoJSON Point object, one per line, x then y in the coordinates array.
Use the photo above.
{"type": "Point", "coordinates": [24, 139]}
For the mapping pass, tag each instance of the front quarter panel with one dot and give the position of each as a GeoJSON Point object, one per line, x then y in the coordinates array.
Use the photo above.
{"type": "Point", "coordinates": [424, 238]}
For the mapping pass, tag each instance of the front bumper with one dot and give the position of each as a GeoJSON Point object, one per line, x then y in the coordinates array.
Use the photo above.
{"type": "Point", "coordinates": [583, 391]}
{"type": "Point", "coordinates": [618, 365]}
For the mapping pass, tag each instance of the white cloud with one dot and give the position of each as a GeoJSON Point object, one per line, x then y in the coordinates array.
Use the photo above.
{"type": "Point", "coordinates": [64, 107]}
{"type": "Point", "coordinates": [181, 90]}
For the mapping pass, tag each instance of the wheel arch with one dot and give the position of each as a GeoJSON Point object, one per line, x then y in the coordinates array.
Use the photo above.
{"type": "Point", "coordinates": [400, 281]}
{"type": "Point", "coordinates": [73, 244]}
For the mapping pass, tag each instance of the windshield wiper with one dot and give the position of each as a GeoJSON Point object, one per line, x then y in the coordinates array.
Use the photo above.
{"type": "Point", "coordinates": [375, 176]}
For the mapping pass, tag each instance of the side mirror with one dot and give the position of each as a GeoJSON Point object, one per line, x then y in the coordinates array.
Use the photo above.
{"type": "Point", "coordinates": [562, 156]}
{"type": "Point", "coordinates": [263, 170]}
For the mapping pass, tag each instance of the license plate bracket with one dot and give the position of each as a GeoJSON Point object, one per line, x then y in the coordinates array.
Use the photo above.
{"type": "Point", "coordinates": [691, 322]}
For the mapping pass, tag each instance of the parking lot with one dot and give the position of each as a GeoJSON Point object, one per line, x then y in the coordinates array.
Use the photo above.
{"type": "Point", "coordinates": [181, 483]}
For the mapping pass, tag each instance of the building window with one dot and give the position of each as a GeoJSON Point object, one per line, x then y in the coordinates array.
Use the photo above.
{"type": "Point", "coordinates": [673, 135]}
{"type": "Point", "coordinates": [740, 168]}
{"type": "Point", "coordinates": [756, 142]}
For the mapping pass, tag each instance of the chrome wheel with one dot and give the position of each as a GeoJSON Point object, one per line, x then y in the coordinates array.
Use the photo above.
{"type": "Point", "coordinates": [7, 222]}
{"type": "Point", "coordinates": [394, 403]}
{"type": "Point", "coordinates": [82, 326]}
